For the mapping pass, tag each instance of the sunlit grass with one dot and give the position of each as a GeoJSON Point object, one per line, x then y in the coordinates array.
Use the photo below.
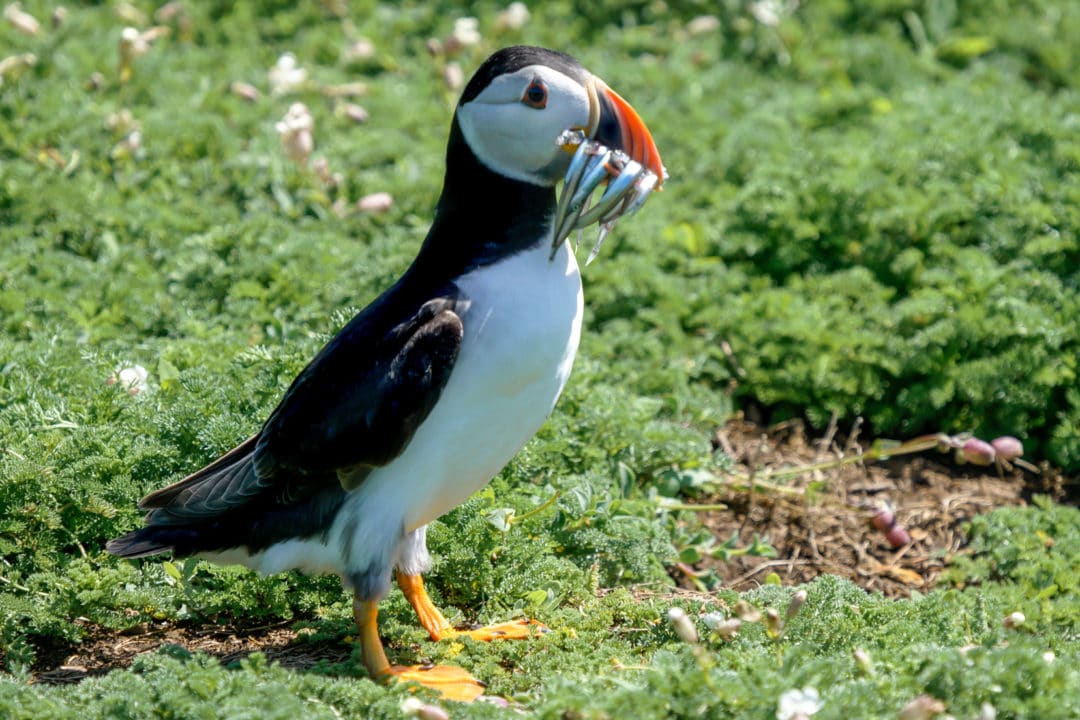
{"type": "Point", "coordinates": [873, 207]}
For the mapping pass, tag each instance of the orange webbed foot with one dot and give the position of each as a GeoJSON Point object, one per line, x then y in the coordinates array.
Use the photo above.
{"type": "Point", "coordinates": [439, 628]}
{"type": "Point", "coordinates": [453, 683]}
{"type": "Point", "coordinates": [513, 630]}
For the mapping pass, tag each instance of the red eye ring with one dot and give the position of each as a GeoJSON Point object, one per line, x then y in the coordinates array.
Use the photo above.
{"type": "Point", "coordinates": [535, 95]}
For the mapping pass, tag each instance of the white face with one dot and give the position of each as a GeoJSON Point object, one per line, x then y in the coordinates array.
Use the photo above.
{"type": "Point", "coordinates": [512, 125]}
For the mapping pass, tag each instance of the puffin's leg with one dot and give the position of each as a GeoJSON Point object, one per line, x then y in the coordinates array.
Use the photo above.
{"type": "Point", "coordinates": [453, 682]}
{"type": "Point", "coordinates": [439, 628]}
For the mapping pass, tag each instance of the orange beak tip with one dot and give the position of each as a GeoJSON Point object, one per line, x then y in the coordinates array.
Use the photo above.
{"type": "Point", "coordinates": [638, 142]}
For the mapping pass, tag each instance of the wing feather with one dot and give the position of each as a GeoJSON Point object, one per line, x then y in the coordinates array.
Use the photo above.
{"type": "Point", "coordinates": [354, 408]}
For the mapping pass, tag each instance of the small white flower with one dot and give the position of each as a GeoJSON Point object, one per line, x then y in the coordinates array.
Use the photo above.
{"type": "Point", "coordinates": [133, 379]}
{"type": "Point", "coordinates": [1014, 620]}
{"type": "Point", "coordinates": [295, 130]}
{"type": "Point", "coordinates": [514, 17]}
{"type": "Point", "coordinates": [286, 75]}
{"type": "Point", "coordinates": [466, 33]}
{"type": "Point", "coordinates": [798, 703]}
{"type": "Point", "coordinates": [712, 620]}
{"type": "Point", "coordinates": [724, 627]}
{"type": "Point", "coordinates": [770, 12]}
{"type": "Point", "coordinates": [132, 43]}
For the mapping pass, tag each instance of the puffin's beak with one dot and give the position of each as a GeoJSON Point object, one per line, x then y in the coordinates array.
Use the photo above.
{"type": "Point", "coordinates": [614, 123]}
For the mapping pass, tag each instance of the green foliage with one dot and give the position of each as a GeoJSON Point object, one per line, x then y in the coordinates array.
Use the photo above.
{"type": "Point", "coordinates": [873, 211]}
{"type": "Point", "coordinates": [1034, 551]}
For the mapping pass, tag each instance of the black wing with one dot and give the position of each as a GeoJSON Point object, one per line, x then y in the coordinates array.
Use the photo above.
{"type": "Point", "coordinates": [353, 408]}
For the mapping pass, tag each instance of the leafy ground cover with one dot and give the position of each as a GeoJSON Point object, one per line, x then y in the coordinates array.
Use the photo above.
{"type": "Point", "coordinates": [873, 213]}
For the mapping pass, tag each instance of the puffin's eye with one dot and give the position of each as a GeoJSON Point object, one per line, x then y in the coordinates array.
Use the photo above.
{"type": "Point", "coordinates": [535, 95]}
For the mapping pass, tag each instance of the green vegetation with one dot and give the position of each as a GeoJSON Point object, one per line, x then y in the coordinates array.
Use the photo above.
{"type": "Point", "coordinates": [875, 204]}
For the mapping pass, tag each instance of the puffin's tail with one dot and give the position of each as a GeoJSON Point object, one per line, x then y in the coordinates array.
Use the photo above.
{"type": "Point", "coordinates": [152, 540]}
{"type": "Point", "coordinates": [227, 505]}
{"type": "Point", "coordinates": [182, 516]}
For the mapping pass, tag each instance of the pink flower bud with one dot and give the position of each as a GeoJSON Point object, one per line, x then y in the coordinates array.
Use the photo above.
{"type": "Point", "coordinates": [863, 662]}
{"type": "Point", "coordinates": [773, 624]}
{"type": "Point", "coordinates": [355, 113]}
{"type": "Point", "coordinates": [883, 519]}
{"type": "Point", "coordinates": [978, 452]}
{"type": "Point", "coordinates": [703, 24]}
{"type": "Point", "coordinates": [897, 536]}
{"type": "Point", "coordinates": [375, 202]}
{"type": "Point", "coordinates": [797, 601]}
{"type": "Point", "coordinates": [728, 629]}
{"type": "Point", "coordinates": [244, 91]}
{"type": "Point", "coordinates": [747, 612]}
{"type": "Point", "coordinates": [923, 707]}
{"type": "Point", "coordinates": [169, 12]}
{"type": "Point", "coordinates": [13, 65]}
{"type": "Point", "coordinates": [361, 50]}
{"type": "Point", "coordinates": [684, 626]}
{"type": "Point", "coordinates": [415, 707]}
{"type": "Point", "coordinates": [453, 76]}
{"type": "Point", "coordinates": [1007, 447]}
{"type": "Point", "coordinates": [22, 21]}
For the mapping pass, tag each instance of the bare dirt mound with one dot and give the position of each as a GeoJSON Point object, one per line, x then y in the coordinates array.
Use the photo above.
{"type": "Point", "coordinates": [820, 524]}
{"type": "Point", "coordinates": [104, 650]}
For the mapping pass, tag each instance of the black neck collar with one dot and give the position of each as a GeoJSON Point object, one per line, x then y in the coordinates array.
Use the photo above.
{"type": "Point", "coordinates": [482, 217]}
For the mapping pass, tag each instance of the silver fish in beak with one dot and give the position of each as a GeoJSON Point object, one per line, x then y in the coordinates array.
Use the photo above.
{"type": "Point", "coordinates": [623, 156]}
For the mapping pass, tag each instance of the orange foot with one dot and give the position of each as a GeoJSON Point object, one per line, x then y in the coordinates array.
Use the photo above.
{"type": "Point", "coordinates": [439, 628]}
{"type": "Point", "coordinates": [513, 630]}
{"type": "Point", "coordinates": [453, 682]}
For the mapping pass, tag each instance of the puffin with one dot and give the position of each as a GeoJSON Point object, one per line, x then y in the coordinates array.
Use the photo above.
{"type": "Point", "coordinates": [430, 390]}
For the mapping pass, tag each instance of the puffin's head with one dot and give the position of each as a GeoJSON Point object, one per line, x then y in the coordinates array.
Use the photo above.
{"type": "Point", "coordinates": [522, 98]}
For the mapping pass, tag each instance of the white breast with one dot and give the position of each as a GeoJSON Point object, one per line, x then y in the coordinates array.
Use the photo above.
{"type": "Point", "coordinates": [522, 325]}
{"type": "Point", "coordinates": [522, 328]}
